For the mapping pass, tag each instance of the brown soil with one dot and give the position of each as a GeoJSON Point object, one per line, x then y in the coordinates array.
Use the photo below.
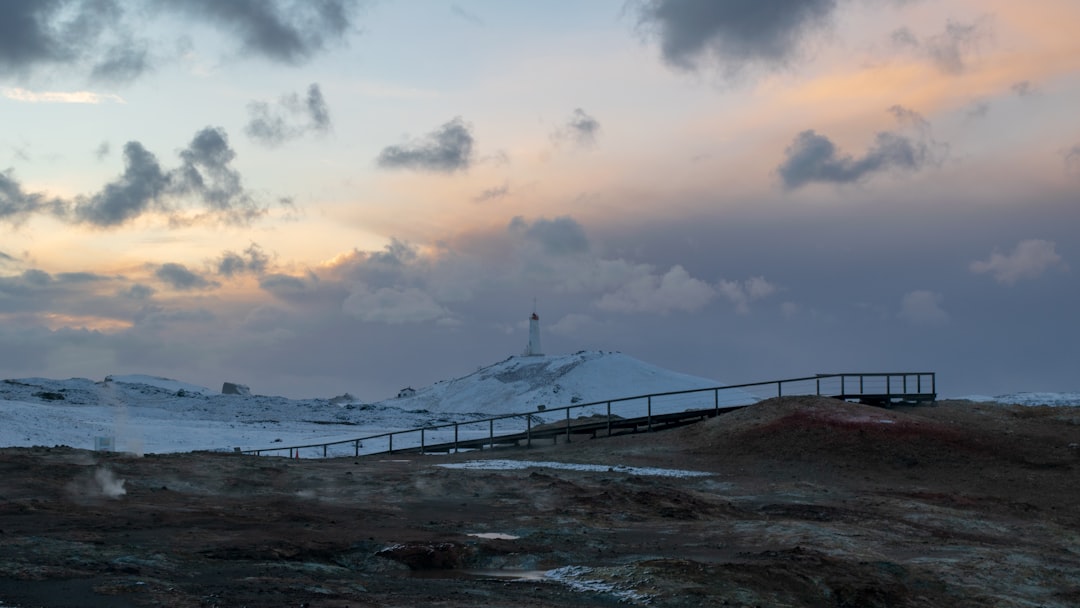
{"type": "Point", "coordinates": [810, 502]}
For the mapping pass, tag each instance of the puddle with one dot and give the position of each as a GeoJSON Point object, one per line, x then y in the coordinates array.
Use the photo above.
{"type": "Point", "coordinates": [501, 574]}
{"type": "Point", "coordinates": [510, 465]}
{"type": "Point", "coordinates": [494, 535]}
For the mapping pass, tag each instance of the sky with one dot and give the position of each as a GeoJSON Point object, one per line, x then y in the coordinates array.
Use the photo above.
{"type": "Point", "coordinates": [327, 196]}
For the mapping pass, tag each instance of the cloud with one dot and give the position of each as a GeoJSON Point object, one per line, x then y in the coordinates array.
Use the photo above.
{"type": "Point", "coordinates": [103, 150]}
{"type": "Point", "coordinates": [392, 305]}
{"type": "Point", "coordinates": [446, 149]}
{"type": "Point", "coordinates": [977, 109]}
{"type": "Point", "coordinates": [86, 97]}
{"type": "Point", "coordinates": [952, 50]}
{"type": "Point", "coordinates": [579, 129]}
{"type": "Point", "coordinates": [286, 32]}
{"type": "Point", "coordinates": [122, 63]}
{"type": "Point", "coordinates": [17, 205]}
{"type": "Point", "coordinates": [139, 189]}
{"type": "Point", "coordinates": [1024, 88]}
{"type": "Point", "coordinates": [814, 158]}
{"type": "Point", "coordinates": [923, 308]}
{"type": "Point", "coordinates": [1028, 260]}
{"type": "Point", "coordinates": [206, 173]}
{"type": "Point", "coordinates": [675, 290]}
{"type": "Point", "coordinates": [742, 294]}
{"type": "Point", "coordinates": [559, 236]}
{"type": "Point", "coordinates": [289, 119]}
{"type": "Point", "coordinates": [490, 194]}
{"type": "Point", "coordinates": [179, 277]}
{"type": "Point", "coordinates": [251, 261]}
{"type": "Point", "coordinates": [461, 13]}
{"type": "Point", "coordinates": [732, 33]}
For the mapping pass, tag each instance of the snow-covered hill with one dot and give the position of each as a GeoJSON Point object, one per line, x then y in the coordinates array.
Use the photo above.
{"type": "Point", "coordinates": [153, 414]}
{"type": "Point", "coordinates": [521, 383]}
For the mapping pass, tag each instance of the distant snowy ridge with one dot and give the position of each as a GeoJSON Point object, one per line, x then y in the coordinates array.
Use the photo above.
{"type": "Point", "coordinates": [1030, 398]}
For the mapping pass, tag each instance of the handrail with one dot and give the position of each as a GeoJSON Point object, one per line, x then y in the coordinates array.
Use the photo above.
{"type": "Point", "coordinates": [845, 391]}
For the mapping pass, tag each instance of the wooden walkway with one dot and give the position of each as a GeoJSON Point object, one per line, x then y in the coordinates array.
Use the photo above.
{"type": "Point", "coordinates": [880, 389]}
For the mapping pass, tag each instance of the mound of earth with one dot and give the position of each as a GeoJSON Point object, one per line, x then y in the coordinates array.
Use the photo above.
{"type": "Point", "coordinates": [795, 502]}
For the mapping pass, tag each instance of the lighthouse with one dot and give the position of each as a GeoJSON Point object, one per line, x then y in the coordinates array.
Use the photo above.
{"type": "Point", "coordinates": [533, 349]}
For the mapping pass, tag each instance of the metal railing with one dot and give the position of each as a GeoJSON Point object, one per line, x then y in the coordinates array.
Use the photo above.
{"type": "Point", "coordinates": [881, 388]}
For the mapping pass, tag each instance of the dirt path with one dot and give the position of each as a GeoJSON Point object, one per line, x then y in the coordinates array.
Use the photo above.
{"type": "Point", "coordinates": [808, 503]}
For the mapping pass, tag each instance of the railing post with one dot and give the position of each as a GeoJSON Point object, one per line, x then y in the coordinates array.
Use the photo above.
{"type": "Point", "coordinates": [888, 388]}
{"type": "Point", "coordinates": [324, 446]}
{"type": "Point", "coordinates": [528, 430]}
{"type": "Point", "coordinates": [861, 389]}
{"type": "Point", "coordinates": [715, 401]}
{"type": "Point", "coordinates": [567, 425]}
{"type": "Point", "coordinates": [933, 383]}
{"type": "Point", "coordinates": [843, 387]}
{"type": "Point", "coordinates": [648, 404]}
{"type": "Point", "coordinates": [779, 389]}
{"type": "Point", "coordinates": [918, 383]}
{"type": "Point", "coordinates": [491, 433]}
{"type": "Point", "coordinates": [905, 384]}
{"type": "Point", "coordinates": [609, 419]}
{"type": "Point", "coordinates": [455, 437]}
{"type": "Point", "coordinates": [391, 448]}
{"type": "Point", "coordinates": [817, 386]}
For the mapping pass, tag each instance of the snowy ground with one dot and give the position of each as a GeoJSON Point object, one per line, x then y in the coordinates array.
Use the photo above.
{"type": "Point", "coordinates": [144, 414]}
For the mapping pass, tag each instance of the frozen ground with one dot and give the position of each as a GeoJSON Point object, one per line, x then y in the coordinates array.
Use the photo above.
{"type": "Point", "coordinates": [146, 414]}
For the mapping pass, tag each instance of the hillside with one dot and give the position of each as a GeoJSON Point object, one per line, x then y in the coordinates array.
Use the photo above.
{"type": "Point", "coordinates": [521, 383]}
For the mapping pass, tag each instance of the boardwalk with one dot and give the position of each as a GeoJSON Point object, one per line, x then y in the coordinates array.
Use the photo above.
{"type": "Point", "coordinates": [640, 413]}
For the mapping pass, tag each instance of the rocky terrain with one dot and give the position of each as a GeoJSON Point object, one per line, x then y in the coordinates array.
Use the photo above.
{"type": "Point", "coordinates": [805, 501]}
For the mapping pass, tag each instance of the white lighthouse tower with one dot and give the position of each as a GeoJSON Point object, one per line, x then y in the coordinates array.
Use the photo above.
{"type": "Point", "coordinates": [533, 349]}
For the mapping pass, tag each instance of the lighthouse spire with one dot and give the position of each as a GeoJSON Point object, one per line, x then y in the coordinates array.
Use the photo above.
{"type": "Point", "coordinates": [533, 348]}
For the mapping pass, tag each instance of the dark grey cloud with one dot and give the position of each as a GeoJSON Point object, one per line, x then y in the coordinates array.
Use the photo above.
{"type": "Point", "coordinates": [141, 188]}
{"type": "Point", "coordinates": [251, 261]}
{"type": "Point", "coordinates": [287, 32]}
{"type": "Point", "coordinates": [179, 277]}
{"type": "Point", "coordinates": [206, 173]}
{"type": "Point", "coordinates": [732, 33]}
{"type": "Point", "coordinates": [290, 118]}
{"type": "Point", "coordinates": [82, 35]}
{"type": "Point", "coordinates": [580, 128]}
{"type": "Point", "coordinates": [815, 158]}
{"type": "Point", "coordinates": [99, 38]}
{"type": "Point", "coordinates": [122, 63]}
{"type": "Point", "coordinates": [561, 235]}
{"type": "Point", "coordinates": [446, 149]}
{"type": "Point", "coordinates": [16, 205]}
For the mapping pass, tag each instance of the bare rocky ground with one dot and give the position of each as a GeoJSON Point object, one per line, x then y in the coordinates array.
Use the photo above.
{"type": "Point", "coordinates": [810, 502]}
